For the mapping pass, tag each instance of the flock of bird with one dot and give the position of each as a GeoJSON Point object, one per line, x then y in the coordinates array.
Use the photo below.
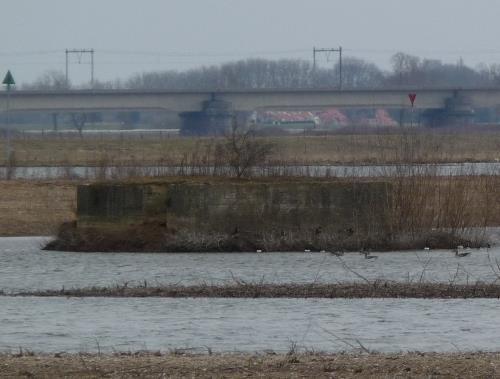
{"type": "Point", "coordinates": [459, 251]}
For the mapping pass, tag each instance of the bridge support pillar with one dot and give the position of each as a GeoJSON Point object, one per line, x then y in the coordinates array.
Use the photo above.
{"type": "Point", "coordinates": [55, 121]}
{"type": "Point", "coordinates": [215, 119]}
{"type": "Point", "coordinates": [458, 111]}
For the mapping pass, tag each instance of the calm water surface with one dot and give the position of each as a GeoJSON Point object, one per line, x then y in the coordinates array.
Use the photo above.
{"type": "Point", "coordinates": [81, 172]}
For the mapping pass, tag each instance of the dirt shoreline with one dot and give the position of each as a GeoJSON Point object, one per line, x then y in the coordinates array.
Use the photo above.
{"type": "Point", "coordinates": [314, 365]}
{"type": "Point", "coordinates": [154, 237]}
{"type": "Point", "coordinates": [375, 289]}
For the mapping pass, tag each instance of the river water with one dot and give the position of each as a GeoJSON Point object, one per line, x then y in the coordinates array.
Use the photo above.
{"type": "Point", "coordinates": [117, 172]}
{"type": "Point", "coordinates": [24, 266]}
{"type": "Point", "coordinates": [247, 325]}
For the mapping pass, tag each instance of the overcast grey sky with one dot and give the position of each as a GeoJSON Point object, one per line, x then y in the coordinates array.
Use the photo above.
{"type": "Point", "coordinates": [132, 36]}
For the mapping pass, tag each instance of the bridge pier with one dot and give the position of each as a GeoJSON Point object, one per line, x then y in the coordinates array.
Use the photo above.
{"type": "Point", "coordinates": [215, 119]}
{"type": "Point", "coordinates": [55, 121]}
{"type": "Point", "coordinates": [458, 111]}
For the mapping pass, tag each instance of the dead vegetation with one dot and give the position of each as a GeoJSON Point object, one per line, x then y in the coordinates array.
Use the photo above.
{"type": "Point", "coordinates": [271, 365]}
{"type": "Point", "coordinates": [241, 151]}
{"type": "Point", "coordinates": [35, 208]}
{"type": "Point", "coordinates": [370, 147]}
{"type": "Point", "coordinates": [242, 289]}
{"type": "Point", "coordinates": [424, 210]}
{"type": "Point", "coordinates": [152, 237]}
{"type": "Point", "coordinates": [428, 208]}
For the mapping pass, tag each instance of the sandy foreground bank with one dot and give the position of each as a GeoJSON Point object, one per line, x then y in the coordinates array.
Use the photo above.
{"type": "Point", "coordinates": [177, 365]}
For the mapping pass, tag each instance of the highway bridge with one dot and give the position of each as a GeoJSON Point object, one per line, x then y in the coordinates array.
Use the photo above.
{"type": "Point", "coordinates": [207, 109]}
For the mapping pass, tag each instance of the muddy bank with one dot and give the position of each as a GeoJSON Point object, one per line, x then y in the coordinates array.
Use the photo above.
{"type": "Point", "coordinates": [158, 238]}
{"type": "Point", "coordinates": [179, 364]}
{"type": "Point", "coordinates": [376, 289]}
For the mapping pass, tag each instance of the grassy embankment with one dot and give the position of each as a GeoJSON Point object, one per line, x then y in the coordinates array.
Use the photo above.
{"type": "Point", "coordinates": [179, 364]}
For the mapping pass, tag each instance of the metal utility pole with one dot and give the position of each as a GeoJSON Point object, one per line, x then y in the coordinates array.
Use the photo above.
{"type": "Point", "coordinates": [328, 51]}
{"type": "Point", "coordinates": [80, 53]}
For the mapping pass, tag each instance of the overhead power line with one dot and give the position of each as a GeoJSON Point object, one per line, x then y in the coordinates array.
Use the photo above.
{"type": "Point", "coordinates": [202, 54]}
{"type": "Point", "coordinates": [79, 53]}
{"type": "Point", "coordinates": [329, 51]}
{"type": "Point", "coordinates": [28, 53]}
{"type": "Point", "coordinates": [492, 51]}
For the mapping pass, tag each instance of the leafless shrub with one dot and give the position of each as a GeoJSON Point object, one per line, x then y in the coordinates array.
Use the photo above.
{"type": "Point", "coordinates": [11, 166]}
{"type": "Point", "coordinates": [102, 168]}
{"type": "Point", "coordinates": [432, 208]}
{"type": "Point", "coordinates": [242, 151]}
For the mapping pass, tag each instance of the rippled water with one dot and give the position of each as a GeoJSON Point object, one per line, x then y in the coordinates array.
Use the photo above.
{"type": "Point", "coordinates": [24, 266]}
{"type": "Point", "coordinates": [248, 325]}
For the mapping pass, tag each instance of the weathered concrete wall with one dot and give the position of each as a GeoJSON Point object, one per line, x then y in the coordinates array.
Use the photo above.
{"type": "Point", "coordinates": [120, 204]}
{"type": "Point", "coordinates": [246, 207]}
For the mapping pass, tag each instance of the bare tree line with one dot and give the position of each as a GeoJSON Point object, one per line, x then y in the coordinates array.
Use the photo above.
{"type": "Point", "coordinates": [259, 73]}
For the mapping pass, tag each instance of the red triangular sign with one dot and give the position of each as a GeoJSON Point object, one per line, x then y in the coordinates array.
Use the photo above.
{"type": "Point", "coordinates": [412, 97]}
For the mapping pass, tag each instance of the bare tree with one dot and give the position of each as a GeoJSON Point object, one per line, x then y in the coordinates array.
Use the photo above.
{"type": "Point", "coordinates": [358, 73]}
{"type": "Point", "coordinates": [404, 65]}
{"type": "Point", "coordinates": [294, 73]}
{"type": "Point", "coordinates": [79, 120]}
{"type": "Point", "coordinates": [50, 80]}
{"type": "Point", "coordinates": [242, 151]}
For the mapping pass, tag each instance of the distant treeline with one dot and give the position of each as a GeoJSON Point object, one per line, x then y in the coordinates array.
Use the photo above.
{"type": "Point", "coordinates": [407, 70]}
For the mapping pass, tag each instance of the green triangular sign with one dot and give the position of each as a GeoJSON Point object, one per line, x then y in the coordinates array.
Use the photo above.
{"type": "Point", "coordinates": [9, 79]}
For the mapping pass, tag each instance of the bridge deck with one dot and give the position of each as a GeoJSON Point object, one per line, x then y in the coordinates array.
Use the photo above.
{"type": "Point", "coordinates": [241, 100]}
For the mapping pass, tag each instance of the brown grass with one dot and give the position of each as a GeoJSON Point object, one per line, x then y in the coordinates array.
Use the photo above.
{"type": "Point", "coordinates": [40, 207]}
{"type": "Point", "coordinates": [426, 206]}
{"type": "Point", "coordinates": [428, 147]}
{"type": "Point", "coordinates": [35, 208]}
{"type": "Point", "coordinates": [178, 365]}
